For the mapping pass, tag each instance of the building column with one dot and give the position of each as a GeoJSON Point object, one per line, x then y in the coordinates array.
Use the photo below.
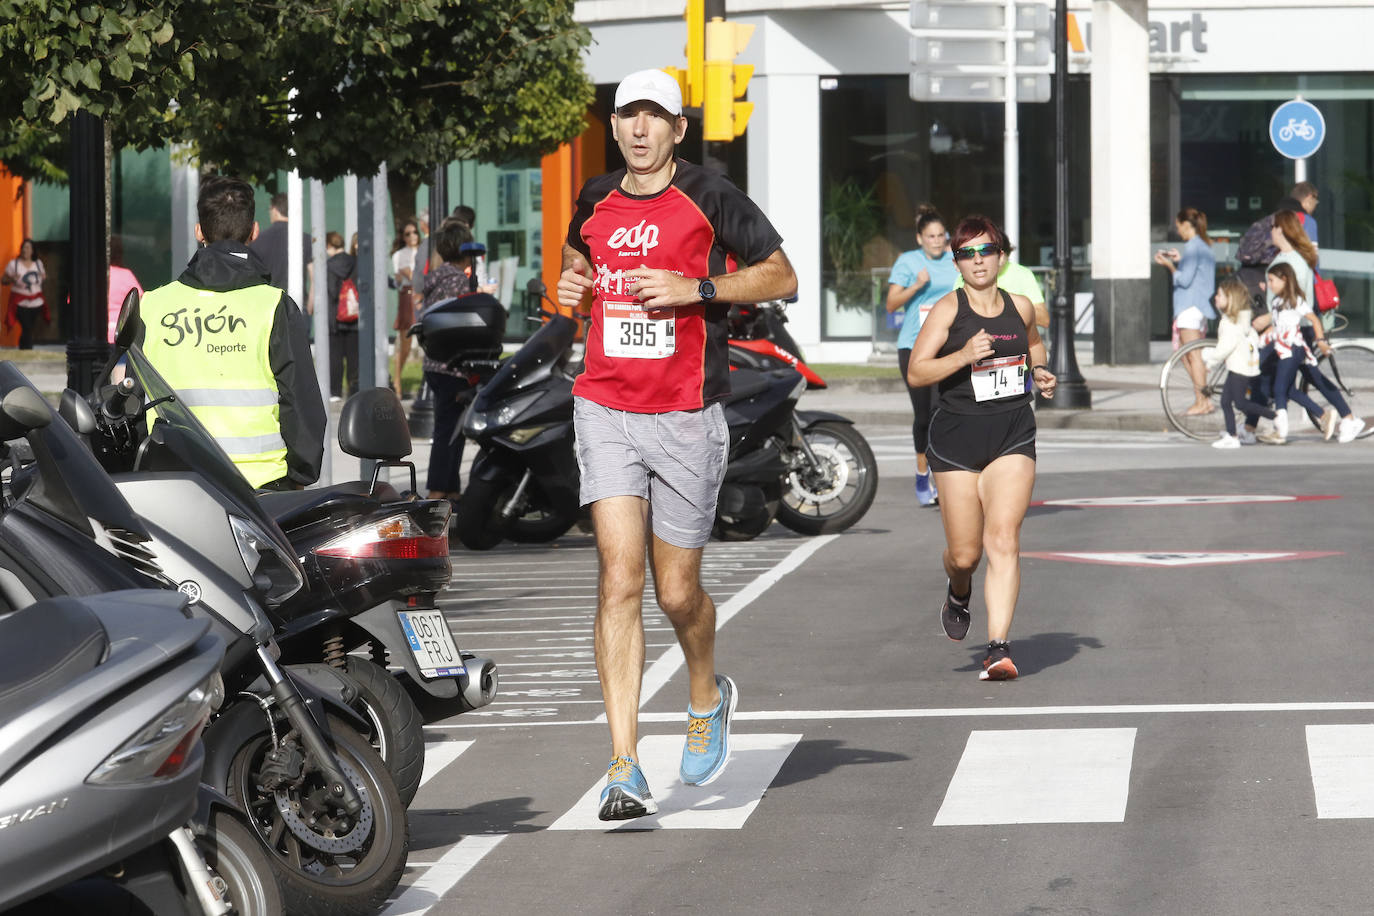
{"type": "Point", "coordinates": [785, 181]}
{"type": "Point", "coordinates": [1120, 182]}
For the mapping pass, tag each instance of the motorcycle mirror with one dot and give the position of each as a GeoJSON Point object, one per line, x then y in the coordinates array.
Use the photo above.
{"type": "Point", "coordinates": [22, 411]}
{"type": "Point", "coordinates": [126, 329]}
{"type": "Point", "coordinates": [77, 412]}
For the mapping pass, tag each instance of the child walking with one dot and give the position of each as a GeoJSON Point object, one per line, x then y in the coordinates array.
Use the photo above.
{"type": "Point", "coordinates": [1287, 308]}
{"type": "Point", "coordinates": [1238, 347]}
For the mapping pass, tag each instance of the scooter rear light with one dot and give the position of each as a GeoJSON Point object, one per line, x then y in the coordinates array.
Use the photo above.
{"type": "Point", "coordinates": [162, 748]}
{"type": "Point", "coordinates": [395, 538]}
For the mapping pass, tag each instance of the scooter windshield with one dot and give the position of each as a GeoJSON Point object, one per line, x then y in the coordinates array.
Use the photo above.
{"type": "Point", "coordinates": [68, 483]}
{"type": "Point", "coordinates": [192, 447]}
{"type": "Point", "coordinates": [531, 361]}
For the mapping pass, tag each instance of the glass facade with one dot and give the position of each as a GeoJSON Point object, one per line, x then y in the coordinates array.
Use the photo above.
{"type": "Point", "coordinates": [883, 154]}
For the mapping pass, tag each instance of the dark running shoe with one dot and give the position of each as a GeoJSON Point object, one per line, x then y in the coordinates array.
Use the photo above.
{"type": "Point", "coordinates": [954, 615]}
{"type": "Point", "coordinates": [998, 665]}
{"type": "Point", "coordinates": [626, 794]}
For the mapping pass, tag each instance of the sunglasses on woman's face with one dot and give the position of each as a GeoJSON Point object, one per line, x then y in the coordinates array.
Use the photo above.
{"type": "Point", "coordinates": [969, 252]}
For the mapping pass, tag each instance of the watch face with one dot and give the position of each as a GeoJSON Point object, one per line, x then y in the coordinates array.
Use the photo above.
{"type": "Point", "coordinates": [706, 289]}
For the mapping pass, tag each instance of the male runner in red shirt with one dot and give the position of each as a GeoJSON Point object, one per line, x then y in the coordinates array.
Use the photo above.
{"type": "Point", "coordinates": [647, 250]}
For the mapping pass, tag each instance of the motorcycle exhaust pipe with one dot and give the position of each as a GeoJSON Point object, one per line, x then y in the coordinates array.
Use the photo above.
{"type": "Point", "coordinates": [478, 687]}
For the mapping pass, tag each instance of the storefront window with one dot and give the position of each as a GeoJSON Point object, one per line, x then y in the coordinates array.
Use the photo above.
{"type": "Point", "coordinates": [883, 155]}
{"type": "Point", "coordinates": [1217, 130]}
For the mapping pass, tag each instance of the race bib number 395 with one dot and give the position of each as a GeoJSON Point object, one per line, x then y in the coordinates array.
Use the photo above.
{"type": "Point", "coordinates": [627, 332]}
{"type": "Point", "coordinates": [998, 377]}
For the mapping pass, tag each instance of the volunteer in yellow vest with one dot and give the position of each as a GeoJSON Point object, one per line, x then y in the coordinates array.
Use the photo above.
{"type": "Point", "coordinates": [237, 350]}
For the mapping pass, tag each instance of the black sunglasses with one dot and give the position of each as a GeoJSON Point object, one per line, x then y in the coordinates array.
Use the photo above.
{"type": "Point", "coordinates": [969, 252]}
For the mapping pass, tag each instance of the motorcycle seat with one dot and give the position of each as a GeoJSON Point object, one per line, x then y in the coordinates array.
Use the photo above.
{"type": "Point", "coordinates": [44, 647]}
{"type": "Point", "coordinates": [293, 508]}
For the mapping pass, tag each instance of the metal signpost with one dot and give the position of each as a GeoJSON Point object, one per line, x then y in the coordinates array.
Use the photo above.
{"type": "Point", "coordinates": [1297, 130]}
{"type": "Point", "coordinates": [984, 51]}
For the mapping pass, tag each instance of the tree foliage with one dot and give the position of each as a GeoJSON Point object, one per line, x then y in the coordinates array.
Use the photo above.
{"type": "Point", "coordinates": [119, 61]}
{"type": "Point", "coordinates": [329, 87]}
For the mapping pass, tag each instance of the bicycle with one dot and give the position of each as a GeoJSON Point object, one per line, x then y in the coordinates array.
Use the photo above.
{"type": "Point", "coordinates": [1350, 365]}
{"type": "Point", "coordinates": [1176, 392]}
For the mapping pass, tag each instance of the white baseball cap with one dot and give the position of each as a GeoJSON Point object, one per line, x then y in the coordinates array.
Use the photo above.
{"type": "Point", "coordinates": [650, 86]}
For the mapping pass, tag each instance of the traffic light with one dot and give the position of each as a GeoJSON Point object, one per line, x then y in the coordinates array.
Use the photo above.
{"type": "Point", "coordinates": [722, 117]}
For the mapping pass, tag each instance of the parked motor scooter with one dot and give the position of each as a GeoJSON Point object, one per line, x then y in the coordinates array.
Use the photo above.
{"type": "Point", "coordinates": [317, 795]}
{"type": "Point", "coordinates": [831, 475]}
{"type": "Point", "coordinates": [102, 701]}
{"type": "Point", "coordinates": [374, 562]}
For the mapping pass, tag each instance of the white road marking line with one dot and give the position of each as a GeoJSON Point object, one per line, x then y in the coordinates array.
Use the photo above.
{"type": "Point", "coordinates": [723, 805]}
{"type": "Point", "coordinates": [1340, 757]}
{"type": "Point", "coordinates": [439, 754]}
{"type": "Point", "coordinates": [967, 712]}
{"type": "Point", "coordinates": [437, 880]}
{"type": "Point", "coordinates": [1041, 776]}
{"type": "Point", "coordinates": [474, 633]}
{"type": "Point", "coordinates": [667, 664]}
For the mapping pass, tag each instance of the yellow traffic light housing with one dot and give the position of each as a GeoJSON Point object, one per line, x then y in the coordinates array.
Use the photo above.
{"type": "Point", "coordinates": [724, 81]}
{"type": "Point", "coordinates": [693, 79]}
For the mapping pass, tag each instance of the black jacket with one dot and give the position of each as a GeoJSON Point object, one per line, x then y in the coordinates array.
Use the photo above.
{"type": "Point", "coordinates": [227, 265]}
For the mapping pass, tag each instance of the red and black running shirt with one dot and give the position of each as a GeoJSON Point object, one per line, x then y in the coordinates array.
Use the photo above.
{"type": "Point", "coordinates": [682, 362]}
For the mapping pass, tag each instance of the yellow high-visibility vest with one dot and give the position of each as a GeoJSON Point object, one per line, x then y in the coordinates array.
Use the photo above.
{"type": "Point", "coordinates": [212, 348]}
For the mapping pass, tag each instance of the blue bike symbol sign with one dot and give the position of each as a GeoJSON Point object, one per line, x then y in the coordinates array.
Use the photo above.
{"type": "Point", "coordinates": [1297, 129]}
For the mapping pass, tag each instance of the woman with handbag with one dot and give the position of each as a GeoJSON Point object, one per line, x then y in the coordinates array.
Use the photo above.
{"type": "Point", "coordinates": [24, 275]}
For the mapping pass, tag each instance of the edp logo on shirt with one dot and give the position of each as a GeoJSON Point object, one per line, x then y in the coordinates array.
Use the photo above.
{"type": "Point", "coordinates": [640, 237]}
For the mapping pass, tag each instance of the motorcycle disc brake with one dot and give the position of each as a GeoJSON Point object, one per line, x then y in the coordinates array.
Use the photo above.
{"type": "Point", "coordinates": [325, 839]}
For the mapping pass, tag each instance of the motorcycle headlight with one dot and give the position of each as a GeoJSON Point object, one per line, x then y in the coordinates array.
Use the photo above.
{"type": "Point", "coordinates": [474, 421]}
{"type": "Point", "coordinates": [277, 577]}
{"type": "Point", "coordinates": [163, 747]}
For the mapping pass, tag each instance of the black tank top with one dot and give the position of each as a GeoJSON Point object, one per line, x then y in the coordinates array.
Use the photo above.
{"type": "Point", "coordinates": [1003, 379]}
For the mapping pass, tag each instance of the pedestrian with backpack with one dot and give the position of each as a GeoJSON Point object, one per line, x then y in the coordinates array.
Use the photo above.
{"type": "Point", "coordinates": [341, 273]}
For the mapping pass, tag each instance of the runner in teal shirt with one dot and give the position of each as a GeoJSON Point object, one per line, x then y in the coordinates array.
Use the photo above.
{"type": "Point", "coordinates": [918, 280]}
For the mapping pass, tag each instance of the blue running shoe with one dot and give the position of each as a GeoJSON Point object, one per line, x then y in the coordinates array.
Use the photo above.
{"type": "Point", "coordinates": [626, 794]}
{"type": "Point", "coordinates": [925, 489]}
{"type": "Point", "coordinates": [708, 737]}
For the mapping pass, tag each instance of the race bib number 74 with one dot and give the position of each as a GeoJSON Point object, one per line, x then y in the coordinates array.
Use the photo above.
{"type": "Point", "coordinates": [998, 377]}
{"type": "Point", "coordinates": [627, 332]}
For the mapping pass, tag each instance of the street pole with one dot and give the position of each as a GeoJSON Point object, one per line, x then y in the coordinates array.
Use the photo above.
{"type": "Point", "coordinates": [714, 154]}
{"type": "Point", "coordinates": [1072, 390]}
{"type": "Point", "coordinates": [421, 419]}
{"type": "Point", "coordinates": [1011, 141]}
{"type": "Point", "coordinates": [86, 347]}
{"type": "Point", "coordinates": [320, 320]}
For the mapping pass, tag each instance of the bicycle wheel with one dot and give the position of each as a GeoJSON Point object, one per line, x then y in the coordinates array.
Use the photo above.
{"type": "Point", "coordinates": [1176, 393]}
{"type": "Point", "coordinates": [1351, 367]}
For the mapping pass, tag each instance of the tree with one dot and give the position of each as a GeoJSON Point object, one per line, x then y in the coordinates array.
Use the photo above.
{"type": "Point", "coordinates": [414, 83]}
{"type": "Point", "coordinates": [118, 61]}
{"type": "Point", "coordinates": [328, 87]}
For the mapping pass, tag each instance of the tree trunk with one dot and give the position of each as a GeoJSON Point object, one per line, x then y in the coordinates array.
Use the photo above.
{"type": "Point", "coordinates": [402, 189]}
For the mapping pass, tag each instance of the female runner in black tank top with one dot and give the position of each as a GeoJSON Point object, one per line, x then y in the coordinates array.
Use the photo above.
{"type": "Point", "coordinates": [981, 347]}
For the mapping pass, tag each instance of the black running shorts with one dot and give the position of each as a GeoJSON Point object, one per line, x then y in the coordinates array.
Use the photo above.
{"type": "Point", "coordinates": [971, 442]}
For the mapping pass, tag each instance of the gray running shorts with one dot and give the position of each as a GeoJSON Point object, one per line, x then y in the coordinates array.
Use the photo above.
{"type": "Point", "coordinates": [674, 460]}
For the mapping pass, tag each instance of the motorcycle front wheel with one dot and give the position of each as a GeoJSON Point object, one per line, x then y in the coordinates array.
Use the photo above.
{"type": "Point", "coordinates": [481, 526]}
{"type": "Point", "coordinates": [235, 855]}
{"type": "Point", "coordinates": [327, 863]}
{"type": "Point", "coordinates": [834, 492]}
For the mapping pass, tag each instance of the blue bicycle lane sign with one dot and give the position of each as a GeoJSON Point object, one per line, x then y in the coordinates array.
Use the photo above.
{"type": "Point", "coordinates": [1297, 129]}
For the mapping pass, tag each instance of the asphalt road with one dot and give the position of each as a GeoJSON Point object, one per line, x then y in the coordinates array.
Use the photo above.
{"type": "Point", "coordinates": [1191, 733]}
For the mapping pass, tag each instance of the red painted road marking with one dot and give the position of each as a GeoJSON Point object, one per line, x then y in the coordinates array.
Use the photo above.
{"type": "Point", "coordinates": [1177, 558]}
{"type": "Point", "coordinates": [1134, 502]}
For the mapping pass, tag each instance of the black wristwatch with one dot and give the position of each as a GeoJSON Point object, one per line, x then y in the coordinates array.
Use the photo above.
{"type": "Point", "coordinates": [706, 290]}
